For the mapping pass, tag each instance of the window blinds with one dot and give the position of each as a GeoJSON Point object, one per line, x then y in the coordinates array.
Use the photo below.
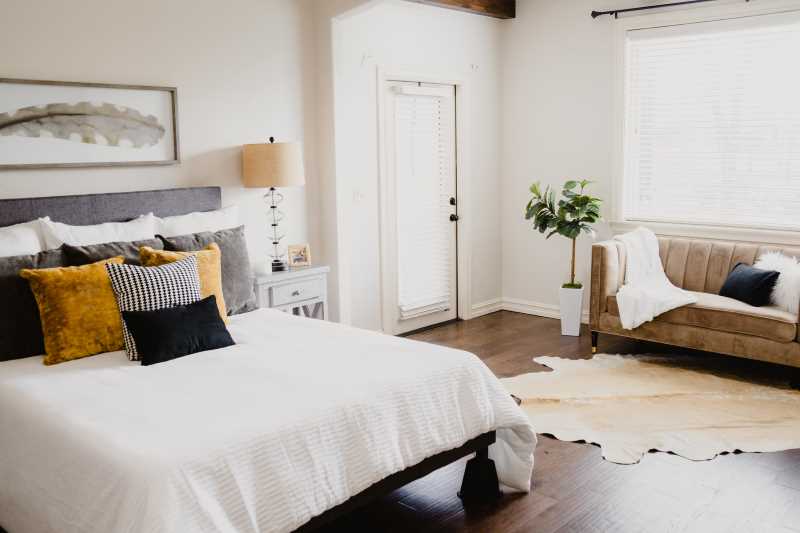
{"type": "Point", "coordinates": [422, 168]}
{"type": "Point", "coordinates": [712, 123]}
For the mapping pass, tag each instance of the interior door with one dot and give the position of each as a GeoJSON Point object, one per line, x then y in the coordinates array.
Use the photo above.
{"type": "Point", "coordinates": [419, 206]}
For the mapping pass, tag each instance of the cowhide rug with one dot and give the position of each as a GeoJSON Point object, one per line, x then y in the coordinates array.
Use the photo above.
{"type": "Point", "coordinates": [632, 404]}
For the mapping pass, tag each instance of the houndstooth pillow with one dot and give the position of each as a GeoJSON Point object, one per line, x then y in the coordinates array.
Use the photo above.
{"type": "Point", "coordinates": [151, 288]}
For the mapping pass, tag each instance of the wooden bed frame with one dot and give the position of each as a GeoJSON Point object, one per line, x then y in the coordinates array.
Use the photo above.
{"type": "Point", "coordinates": [479, 484]}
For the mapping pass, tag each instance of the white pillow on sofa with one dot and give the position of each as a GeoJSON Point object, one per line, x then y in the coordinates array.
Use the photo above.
{"type": "Point", "coordinates": [786, 293]}
{"type": "Point", "coordinates": [138, 229]}
{"type": "Point", "coordinates": [22, 239]}
{"type": "Point", "coordinates": [198, 222]}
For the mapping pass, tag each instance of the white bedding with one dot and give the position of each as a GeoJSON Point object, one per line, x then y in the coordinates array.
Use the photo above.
{"type": "Point", "coordinates": [262, 436]}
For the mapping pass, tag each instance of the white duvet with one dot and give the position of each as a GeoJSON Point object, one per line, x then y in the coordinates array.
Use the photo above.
{"type": "Point", "coordinates": [262, 436]}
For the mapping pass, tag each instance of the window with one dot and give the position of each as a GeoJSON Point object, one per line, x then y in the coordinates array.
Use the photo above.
{"type": "Point", "coordinates": [712, 123]}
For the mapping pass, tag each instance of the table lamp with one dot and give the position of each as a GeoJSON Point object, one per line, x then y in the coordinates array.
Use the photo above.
{"type": "Point", "coordinates": [273, 165]}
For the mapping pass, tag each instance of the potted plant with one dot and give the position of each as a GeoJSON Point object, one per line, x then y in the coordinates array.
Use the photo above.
{"type": "Point", "coordinates": [574, 213]}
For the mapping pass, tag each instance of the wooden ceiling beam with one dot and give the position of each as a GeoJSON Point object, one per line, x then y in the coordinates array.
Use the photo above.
{"type": "Point", "coordinates": [502, 9]}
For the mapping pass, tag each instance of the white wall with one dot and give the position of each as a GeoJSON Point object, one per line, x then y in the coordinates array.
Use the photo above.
{"type": "Point", "coordinates": [402, 36]}
{"type": "Point", "coordinates": [244, 71]}
{"type": "Point", "coordinates": [326, 207]}
{"type": "Point", "coordinates": [557, 123]}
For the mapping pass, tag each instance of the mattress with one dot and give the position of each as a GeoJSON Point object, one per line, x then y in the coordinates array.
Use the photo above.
{"type": "Point", "coordinates": [293, 420]}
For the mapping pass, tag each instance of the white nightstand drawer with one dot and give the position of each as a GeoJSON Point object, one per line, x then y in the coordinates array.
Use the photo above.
{"type": "Point", "coordinates": [301, 291]}
{"type": "Point", "coordinates": [297, 292]}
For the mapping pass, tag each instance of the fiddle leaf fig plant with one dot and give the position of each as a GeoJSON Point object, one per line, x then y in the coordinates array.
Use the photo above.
{"type": "Point", "coordinates": [573, 214]}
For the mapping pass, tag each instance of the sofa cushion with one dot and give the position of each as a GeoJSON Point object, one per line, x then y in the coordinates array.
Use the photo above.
{"type": "Point", "coordinates": [750, 285]}
{"type": "Point", "coordinates": [713, 311]}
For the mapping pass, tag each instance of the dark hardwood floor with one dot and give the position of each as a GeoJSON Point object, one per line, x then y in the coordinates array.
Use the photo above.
{"type": "Point", "coordinates": [574, 489]}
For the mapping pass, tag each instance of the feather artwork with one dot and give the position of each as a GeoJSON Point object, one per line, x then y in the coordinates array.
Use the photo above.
{"type": "Point", "coordinates": [84, 122]}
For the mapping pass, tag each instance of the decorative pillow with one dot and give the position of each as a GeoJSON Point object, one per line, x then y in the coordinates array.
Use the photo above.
{"type": "Point", "coordinates": [749, 285]}
{"type": "Point", "coordinates": [786, 293]}
{"type": "Point", "coordinates": [209, 268]}
{"type": "Point", "coordinates": [83, 255]}
{"type": "Point", "coordinates": [78, 311]}
{"type": "Point", "coordinates": [170, 333]}
{"type": "Point", "coordinates": [139, 229]}
{"type": "Point", "coordinates": [237, 275]}
{"type": "Point", "coordinates": [198, 222]}
{"type": "Point", "coordinates": [150, 288]}
{"type": "Point", "coordinates": [20, 326]}
{"type": "Point", "coordinates": [22, 239]}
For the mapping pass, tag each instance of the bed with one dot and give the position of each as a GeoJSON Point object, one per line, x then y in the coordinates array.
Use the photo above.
{"type": "Point", "coordinates": [300, 421]}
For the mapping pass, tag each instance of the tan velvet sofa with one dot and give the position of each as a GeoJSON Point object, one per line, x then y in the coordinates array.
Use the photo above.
{"type": "Point", "coordinates": [715, 323]}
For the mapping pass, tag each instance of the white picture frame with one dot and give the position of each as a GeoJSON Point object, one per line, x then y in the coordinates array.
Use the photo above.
{"type": "Point", "coordinates": [56, 124]}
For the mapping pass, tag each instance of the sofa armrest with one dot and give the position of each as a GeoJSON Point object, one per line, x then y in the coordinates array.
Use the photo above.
{"type": "Point", "coordinates": [608, 274]}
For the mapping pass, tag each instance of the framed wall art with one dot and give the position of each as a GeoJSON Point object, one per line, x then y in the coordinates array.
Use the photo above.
{"type": "Point", "coordinates": [53, 124]}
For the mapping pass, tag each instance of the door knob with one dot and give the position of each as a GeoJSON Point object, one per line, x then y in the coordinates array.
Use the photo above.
{"type": "Point", "coordinates": [453, 218]}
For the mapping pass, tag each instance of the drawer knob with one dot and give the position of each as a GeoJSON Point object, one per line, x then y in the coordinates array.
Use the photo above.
{"type": "Point", "coordinates": [296, 293]}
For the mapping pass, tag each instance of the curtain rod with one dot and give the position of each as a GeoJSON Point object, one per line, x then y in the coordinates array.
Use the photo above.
{"type": "Point", "coordinates": [616, 12]}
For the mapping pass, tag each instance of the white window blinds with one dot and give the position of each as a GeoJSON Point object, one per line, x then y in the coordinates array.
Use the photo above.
{"type": "Point", "coordinates": [423, 145]}
{"type": "Point", "coordinates": [712, 123]}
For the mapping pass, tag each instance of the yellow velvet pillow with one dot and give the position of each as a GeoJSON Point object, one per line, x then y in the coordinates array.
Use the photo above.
{"type": "Point", "coordinates": [78, 310]}
{"type": "Point", "coordinates": [209, 268]}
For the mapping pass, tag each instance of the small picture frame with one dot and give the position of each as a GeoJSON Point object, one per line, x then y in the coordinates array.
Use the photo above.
{"type": "Point", "coordinates": [299, 255]}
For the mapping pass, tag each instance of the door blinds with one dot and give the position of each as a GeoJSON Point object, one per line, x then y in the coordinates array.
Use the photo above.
{"type": "Point", "coordinates": [423, 147]}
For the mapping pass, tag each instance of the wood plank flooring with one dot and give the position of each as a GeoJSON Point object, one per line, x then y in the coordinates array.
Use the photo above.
{"type": "Point", "coordinates": [575, 490]}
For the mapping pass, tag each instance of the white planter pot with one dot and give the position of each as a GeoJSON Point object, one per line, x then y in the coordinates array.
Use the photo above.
{"type": "Point", "coordinates": [571, 304]}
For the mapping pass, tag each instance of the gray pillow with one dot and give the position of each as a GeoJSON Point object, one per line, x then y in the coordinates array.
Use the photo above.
{"type": "Point", "coordinates": [20, 326]}
{"type": "Point", "coordinates": [237, 276]}
{"type": "Point", "coordinates": [84, 255]}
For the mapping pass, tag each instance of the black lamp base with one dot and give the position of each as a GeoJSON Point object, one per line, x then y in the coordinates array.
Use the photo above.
{"type": "Point", "coordinates": [278, 265]}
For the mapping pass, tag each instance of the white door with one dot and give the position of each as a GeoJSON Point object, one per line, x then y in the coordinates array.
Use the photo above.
{"type": "Point", "coordinates": [418, 206]}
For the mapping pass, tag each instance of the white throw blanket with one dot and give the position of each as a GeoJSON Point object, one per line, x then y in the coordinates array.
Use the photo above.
{"type": "Point", "coordinates": [647, 292]}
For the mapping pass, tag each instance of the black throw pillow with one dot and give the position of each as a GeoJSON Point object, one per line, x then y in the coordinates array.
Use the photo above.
{"type": "Point", "coordinates": [173, 332]}
{"type": "Point", "coordinates": [20, 325]}
{"type": "Point", "coordinates": [749, 285]}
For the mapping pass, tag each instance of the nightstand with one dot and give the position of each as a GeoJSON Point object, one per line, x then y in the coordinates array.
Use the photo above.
{"type": "Point", "coordinates": [300, 291]}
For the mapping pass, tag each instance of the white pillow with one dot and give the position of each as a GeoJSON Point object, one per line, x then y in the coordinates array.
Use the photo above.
{"type": "Point", "coordinates": [786, 293]}
{"type": "Point", "coordinates": [138, 229]}
{"type": "Point", "coordinates": [199, 221]}
{"type": "Point", "coordinates": [22, 239]}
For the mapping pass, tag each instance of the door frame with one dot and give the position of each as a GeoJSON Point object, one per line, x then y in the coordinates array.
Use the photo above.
{"type": "Point", "coordinates": [462, 85]}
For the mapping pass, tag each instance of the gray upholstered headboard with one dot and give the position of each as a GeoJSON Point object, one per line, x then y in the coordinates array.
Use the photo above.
{"type": "Point", "coordinates": [87, 209]}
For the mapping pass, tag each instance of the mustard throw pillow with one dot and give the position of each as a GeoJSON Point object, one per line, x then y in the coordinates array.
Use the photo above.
{"type": "Point", "coordinates": [78, 310]}
{"type": "Point", "coordinates": [209, 268]}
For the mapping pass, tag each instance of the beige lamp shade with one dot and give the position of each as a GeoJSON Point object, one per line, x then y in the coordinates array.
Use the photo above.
{"type": "Point", "coordinates": [272, 165]}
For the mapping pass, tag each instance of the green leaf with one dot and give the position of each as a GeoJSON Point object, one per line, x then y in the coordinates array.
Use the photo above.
{"type": "Point", "coordinates": [569, 214]}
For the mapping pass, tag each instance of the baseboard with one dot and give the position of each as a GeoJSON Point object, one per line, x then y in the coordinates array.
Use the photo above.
{"type": "Point", "coordinates": [484, 308]}
{"type": "Point", "coordinates": [521, 306]}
